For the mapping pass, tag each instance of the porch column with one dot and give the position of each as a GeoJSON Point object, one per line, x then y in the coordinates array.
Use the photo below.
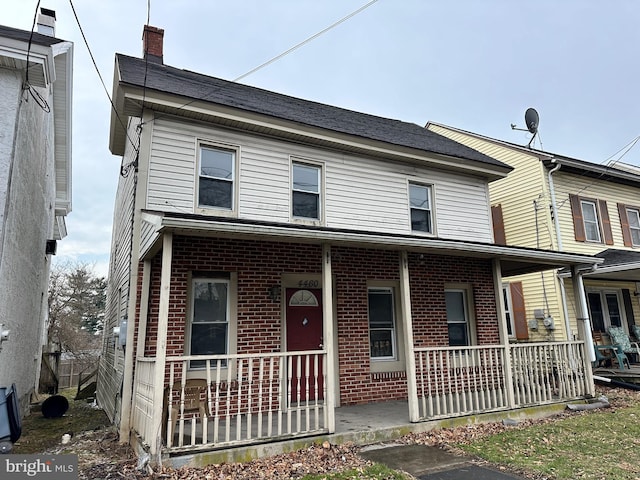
{"type": "Point", "coordinates": [327, 316]}
{"type": "Point", "coordinates": [504, 333]}
{"type": "Point", "coordinates": [405, 306]}
{"type": "Point", "coordinates": [161, 345]}
{"type": "Point", "coordinates": [584, 327]}
{"type": "Point", "coordinates": [142, 335]}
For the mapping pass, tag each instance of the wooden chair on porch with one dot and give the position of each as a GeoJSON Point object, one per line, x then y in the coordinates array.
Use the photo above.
{"type": "Point", "coordinates": [195, 400]}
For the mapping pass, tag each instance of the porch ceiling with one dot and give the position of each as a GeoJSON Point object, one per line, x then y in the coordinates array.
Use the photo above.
{"type": "Point", "coordinates": [513, 260]}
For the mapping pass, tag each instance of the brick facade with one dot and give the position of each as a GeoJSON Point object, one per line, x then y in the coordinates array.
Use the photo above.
{"type": "Point", "coordinates": [259, 265]}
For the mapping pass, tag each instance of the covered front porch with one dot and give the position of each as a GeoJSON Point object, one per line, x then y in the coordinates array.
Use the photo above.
{"type": "Point", "coordinates": [263, 391]}
{"type": "Point", "coordinates": [261, 401]}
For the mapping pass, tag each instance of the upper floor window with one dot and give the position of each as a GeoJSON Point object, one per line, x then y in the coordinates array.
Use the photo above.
{"type": "Point", "coordinates": [591, 220]}
{"type": "Point", "coordinates": [630, 221]}
{"type": "Point", "coordinates": [216, 181]}
{"type": "Point", "coordinates": [421, 210]}
{"type": "Point", "coordinates": [306, 191]}
{"type": "Point", "coordinates": [382, 324]}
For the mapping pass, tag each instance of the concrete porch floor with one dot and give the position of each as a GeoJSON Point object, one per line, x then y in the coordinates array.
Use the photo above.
{"type": "Point", "coordinates": [359, 424]}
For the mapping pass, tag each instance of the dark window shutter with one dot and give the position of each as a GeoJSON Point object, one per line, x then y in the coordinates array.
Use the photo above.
{"type": "Point", "coordinates": [576, 212]}
{"type": "Point", "coordinates": [499, 236]}
{"type": "Point", "coordinates": [519, 311]}
{"type": "Point", "coordinates": [628, 308]}
{"type": "Point", "coordinates": [624, 223]}
{"type": "Point", "coordinates": [606, 223]}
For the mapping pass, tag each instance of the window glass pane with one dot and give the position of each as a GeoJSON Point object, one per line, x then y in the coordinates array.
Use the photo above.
{"type": "Point", "coordinates": [595, 308]}
{"type": "Point", "coordinates": [210, 302]}
{"type": "Point", "coordinates": [209, 339]}
{"type": "Point", "coordinates": [589, 212]}
{"type": "Point", "coordinates": [590, 217]}
{"type": "Point", "coordinates": [634, 225]}
{"type": "Point", "coordinates": [381, 309]}
{"type": "Point", "coordinates": [507, 310]}
{"type": "Point", "coordinates": [458, 336]}
{"type": "Point", "coordinates": [306, 205]}
{"type": "Point", "coordinates": [455, 306]}
{"type": "Point", "coordinates": [419, 196]}
{"type": "Point", "coordinates": [215, 193]}
{"type": "Point", "coordinates": [615, 316]}
{"type": "Point", "coordinates": [421, 220]}
{"type": "Point", "coordinates": [591, 231]}
{"type": "Point", "coordinates": [306, 178]}
{"type": "Point", "coordinates": [216, 163]}
{"type": "Point", "coordinates": [381, 343]}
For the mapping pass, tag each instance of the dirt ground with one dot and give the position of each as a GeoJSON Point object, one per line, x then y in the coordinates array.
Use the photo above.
{"type": "Point", "coordinates": [101, 456]}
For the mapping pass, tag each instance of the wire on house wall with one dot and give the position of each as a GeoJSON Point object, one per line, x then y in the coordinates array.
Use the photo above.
{"type": "Point", "coordinates": [35, 95]}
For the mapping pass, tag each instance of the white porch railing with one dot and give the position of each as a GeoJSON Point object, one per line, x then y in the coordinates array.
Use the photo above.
{"type": "Point", "coordinates": [225, 400]}
{"type": "Point", "coordinates": [457, 381]}
{"type": "Point", "coordinates": [143, 409]}
{"type": "Point", "coordinates": [548, 372]}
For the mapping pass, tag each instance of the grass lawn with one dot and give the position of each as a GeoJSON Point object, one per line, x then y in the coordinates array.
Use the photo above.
{"type": "Point", "coordinates": [375, 472]}
{"type": "Point", "coordinates": [597, 445]}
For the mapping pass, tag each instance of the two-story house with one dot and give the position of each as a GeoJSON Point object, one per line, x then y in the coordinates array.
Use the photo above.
{"type": "Point", "coordinates": [561, 203]}
{"type": "Point", "coordinates": [35, 189]}
{"type": "Point", "coordinates": [276, 259]}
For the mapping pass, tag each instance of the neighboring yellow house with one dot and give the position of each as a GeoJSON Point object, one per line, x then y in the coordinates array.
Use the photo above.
{"type": "Point", "coordinates": [554, 202]}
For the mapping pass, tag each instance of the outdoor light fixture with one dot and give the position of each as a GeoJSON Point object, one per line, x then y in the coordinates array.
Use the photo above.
{"type": "Point", "coordinates": [4, 335]}
{"type": "Point", "coordinates": [274, 292]}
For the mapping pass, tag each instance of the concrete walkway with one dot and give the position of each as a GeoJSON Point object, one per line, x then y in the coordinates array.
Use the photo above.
{"type": "Point", "coordinates": [431, 463]}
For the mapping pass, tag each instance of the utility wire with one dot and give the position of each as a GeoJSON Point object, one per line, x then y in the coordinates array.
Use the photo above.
{"type": "Point", "coordinates": [304, 42]}
{"type": "Point", "coordinates": [39, 99]}
{"type": "Point", "coordinates": [95, 65]}
{"type": "Point", "coordinates": [278, 57]}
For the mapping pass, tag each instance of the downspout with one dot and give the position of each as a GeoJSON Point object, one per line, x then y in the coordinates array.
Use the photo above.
{"type": "Point", "coordinates": [556, 222]}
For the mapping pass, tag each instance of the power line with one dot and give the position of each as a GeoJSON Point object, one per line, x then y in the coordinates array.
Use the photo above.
{"type": "Point", "coordinates": [278, 57]}
{"type": "Point", "coordinates": [104, 86]}
{"type": "Point", "coordinates": [304, 42]}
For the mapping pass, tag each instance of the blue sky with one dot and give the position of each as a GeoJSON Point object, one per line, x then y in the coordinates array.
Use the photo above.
{"type": "Point", "coordinates": [475, 65]}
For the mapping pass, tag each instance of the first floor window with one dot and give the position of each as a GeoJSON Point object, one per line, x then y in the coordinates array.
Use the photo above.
{"type": "Point", "coordinates": [217, 168]}
{"type": "Point", "coordinates": [382, 324]}
{"type": "Point", "coordinates": [633, 215]}
{"type": "Point", "coordinates": [306, 191]}
{"type": "Point", "coordinates": [420, 204]}
{"type": "Point", "coordinates": [457, 317]}
{"type": "Point", "coordinates": [508, 309]}
{"type": "Point", "coordinates": [210, 319]}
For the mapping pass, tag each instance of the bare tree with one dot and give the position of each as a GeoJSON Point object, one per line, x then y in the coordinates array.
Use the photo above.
{"type": "Point", "coordinates": [76, 309]}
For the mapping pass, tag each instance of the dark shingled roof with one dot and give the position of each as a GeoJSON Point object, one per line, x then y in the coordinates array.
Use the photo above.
{"type": "Point", "coordinates": [613, 256]}
{"type": "Point", "coordinates": [23, 36]}
{"type": "Point", "coordinates": [196, 86]}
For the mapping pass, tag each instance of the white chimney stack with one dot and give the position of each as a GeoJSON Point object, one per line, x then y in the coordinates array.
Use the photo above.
{"type": "Point", "coordinates": [47, 22]}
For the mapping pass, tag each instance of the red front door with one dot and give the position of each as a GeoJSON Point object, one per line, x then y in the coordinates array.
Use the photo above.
{"type": "Point", "coordinates": [304, 332]}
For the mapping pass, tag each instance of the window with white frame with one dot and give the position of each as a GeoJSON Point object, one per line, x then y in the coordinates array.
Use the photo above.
{"type": "Point", "coordinates": [606, 309]}
{"type": "Point", "coordinates": [633, 216]}
{"type": "Point", "coordinates": [216, 177]}
{"type": "Point", "coordinates": [457, 317]}
{"type": "Point", "coordinates": [590, 219]}
{"type": "Point", "coordinates": [421, 210]}
{"type": "Point", "coordinates": [508, 309]}
{"type": "Point", "coordinates": [382, 323]}
{"type": "Point", "coordinates": [209, 318]}
{"type": "Point", "coordinates": [305, 186]}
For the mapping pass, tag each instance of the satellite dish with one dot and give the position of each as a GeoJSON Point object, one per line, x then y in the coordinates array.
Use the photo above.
{"type": "Point", "coordinates": [532, 120]}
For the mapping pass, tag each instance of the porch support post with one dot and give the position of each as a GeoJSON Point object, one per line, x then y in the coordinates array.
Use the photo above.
{"type": "Point", "coordinates": [584, 327]}
{"type": "Point", "coordinates": [161, 346]}
{"type": "Point", "coordinates": [327, 316]}
{"type": "Point", "coordinates": [504, 333]}
{"type": "Point", "coordinates": [405, 306]}
{"type": "Point", "coordinates": [142, 330]}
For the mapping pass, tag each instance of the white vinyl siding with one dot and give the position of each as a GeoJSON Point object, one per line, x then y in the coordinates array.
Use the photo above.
{"type": "Point", "coordinates": [360, 193]}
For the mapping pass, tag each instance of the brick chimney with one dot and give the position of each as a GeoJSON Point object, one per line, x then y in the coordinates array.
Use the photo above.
{"type": "Point", "coordinates": [152, 40]}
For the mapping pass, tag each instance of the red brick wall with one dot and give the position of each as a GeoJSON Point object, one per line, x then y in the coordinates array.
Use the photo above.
{"type": "Point", "coordinates": [259, 265]}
